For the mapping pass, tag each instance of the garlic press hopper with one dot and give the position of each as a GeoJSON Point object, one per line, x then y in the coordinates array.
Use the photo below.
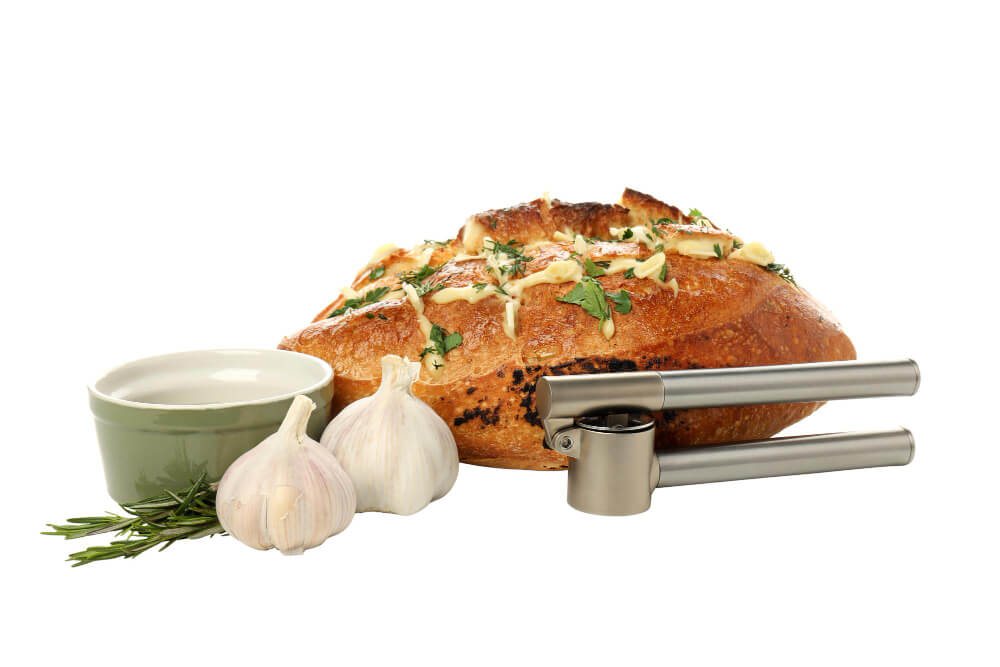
{"type": "Point", "coordinates": [602, 423]}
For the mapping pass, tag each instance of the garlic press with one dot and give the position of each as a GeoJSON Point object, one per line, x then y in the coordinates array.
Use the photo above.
{"type": "Point", "coordinates": [602, 423]}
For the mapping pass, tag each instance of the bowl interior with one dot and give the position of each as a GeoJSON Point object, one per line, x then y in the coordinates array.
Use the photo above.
{"type": "Point", "coordinates": [213, 378]}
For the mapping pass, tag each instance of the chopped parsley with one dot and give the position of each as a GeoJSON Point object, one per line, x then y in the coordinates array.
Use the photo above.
{"type": "Point", "coordinates": [480, 286]}
{"type": "Point", "coordinates": [782, 271]}
{"type": "Point", "coordinates": [493, 221]}
{"type": "Point", "coordinates": [376, 273]}
{"type": "Point", "coordinates": [737, 244]}
{"type": "Point", "coordinates": [622, 301]}
{"type": "Point", "coordinates": [589, 295]}
{"type": "Point", "coordinates": [695, 213]}
{"type": "Point", "coordinates": [663, 271]}
{"type": "Point", "coordinates": [416, 278]}
{"type": "Point", "coordinates": [442, 342]}
{"type": "Point", "coordinates": [718, 250]}
{"type": "Point", "coordinates": [630, 272]}
{"type": "Point", "coordinates": [593, 268]}
{"type": "Point", "coordinates": [518, 259]}
{"type": "Point", "coordinates": [371, 296]}
{"type": "Point", "coordinates": [440, 243]}
{"type": "Point", "coordinates": [627, 234]}
{"type": "Point", "coordinates": [665, 221]}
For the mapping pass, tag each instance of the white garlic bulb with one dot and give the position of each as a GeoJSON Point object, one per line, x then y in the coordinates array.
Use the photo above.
{"type": "Point", "coordinates": [288, 492]}
{"type": "Point", "coordinates": [400, 454]}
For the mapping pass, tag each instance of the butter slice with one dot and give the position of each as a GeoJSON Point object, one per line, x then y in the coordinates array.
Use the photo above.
{"type": "Point", "coordinates": [755, 253]}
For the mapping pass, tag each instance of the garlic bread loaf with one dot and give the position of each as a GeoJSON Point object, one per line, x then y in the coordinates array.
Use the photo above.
{"type": "Point", "coordinates": [551, 288]}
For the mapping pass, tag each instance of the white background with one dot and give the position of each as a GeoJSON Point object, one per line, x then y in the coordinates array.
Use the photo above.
{"type": "Point", "coordinates": [193, 175]}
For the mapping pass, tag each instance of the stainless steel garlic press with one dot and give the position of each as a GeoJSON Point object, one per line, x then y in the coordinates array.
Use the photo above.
{"type": "Point", "coordinates": [602, 423]}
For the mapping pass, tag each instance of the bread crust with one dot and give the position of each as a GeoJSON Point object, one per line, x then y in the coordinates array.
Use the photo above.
{"type": "Point", "coordinates": [725, 313]}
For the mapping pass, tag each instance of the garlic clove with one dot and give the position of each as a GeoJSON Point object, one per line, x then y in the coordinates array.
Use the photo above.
{"type": "Point", "coordinates": [398, 452]}
{"type": "Point", "coordinates": [288, 492]}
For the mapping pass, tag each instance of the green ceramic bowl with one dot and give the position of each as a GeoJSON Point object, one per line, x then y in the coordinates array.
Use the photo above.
{"type": "Point", "coordinates": [163, 421]}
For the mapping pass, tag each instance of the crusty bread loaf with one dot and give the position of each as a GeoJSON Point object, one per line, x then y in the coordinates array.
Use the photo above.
{"type": "Point", "coordinates": [724, 306]}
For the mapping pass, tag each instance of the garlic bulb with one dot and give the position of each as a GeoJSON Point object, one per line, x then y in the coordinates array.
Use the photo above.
{"type": "Point", "coordinates": [400, 454]}
{"type": "Point", "coordinates": [288, 492]}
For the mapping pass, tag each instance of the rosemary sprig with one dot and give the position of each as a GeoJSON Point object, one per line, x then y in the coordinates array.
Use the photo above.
{"type": "Point", "coordinates": [161, 520]}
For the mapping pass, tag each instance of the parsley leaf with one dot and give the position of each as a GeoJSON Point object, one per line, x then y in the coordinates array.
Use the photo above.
{"type": "Point", "coordinates": [520, 260]}
{"type": "Point", "coordinates": [737, 244]}
{"type": "Point", "coordinates": [622, 301]}
{"type": "Point", "coordinates": [589, 295]}
{"type": "Point", "coordinates": [416, 277]}
{"type": "Point", "coordinates": [663, 271]}
{"type": "Point", "coordinates": [371, 296]}
{"type": "Point", "coordinates": [443, 342]}
{"type": "Point", "coordinates": [376, 273]}
{"type": "Point", "coordinates": [480, 286]}
{"type": "Point", "coordinates": [718, 250]}
{"type": "Point", "coordinates": [695, 213]}
{"type": "Point", "coordinates": [627, 234]}
{"type": "Point", "coordinates": [593, 270]}
{"type": "Point", "coordinates": [630, 272]}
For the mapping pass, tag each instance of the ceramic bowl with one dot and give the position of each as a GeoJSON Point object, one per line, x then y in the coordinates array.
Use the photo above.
{"type": "Point", "coordinates": [165, 420]}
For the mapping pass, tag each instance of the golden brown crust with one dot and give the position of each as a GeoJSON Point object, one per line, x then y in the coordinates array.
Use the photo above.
{"type": "Point", "coordinates": [726, 313]}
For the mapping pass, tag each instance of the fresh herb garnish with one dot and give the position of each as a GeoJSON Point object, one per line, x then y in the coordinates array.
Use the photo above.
{"type": "Point", "coordinates": [416, 278]}
{"type": "Point", "coordinates": [628, 233]}
{"type": "Point", "coordinates": [593, 269]}
{"type": "Point", "coordinates": [371, 296]}
{"type": "Point", "coordinates": [376, 273]}
{"type": "Point", "coordinates": [630, 272]}
{"type": "Point", "coordinates": [493, 221]}
{"type": "Point", "coordinates": [663, 271]}
{"type": "Point", "coordinates": [442, 342]}
{"type": "Point", "coordinates": [622, 301]}
{"type": "Point", "coordinates": [480, 286]}
{"type": "Point", "coordinates": [439, 243]}
{"type": "Point", "coordinates": [782, 271]}
{"type": "Point", "coordinates": [718, 250]}
{"type": "Point", "coordinates": [695, 213]}
{"type": "Point", "coordinates": [737, 244]}
{"type": "Point", "coordinates": [159, 521]}
{"type": "Point", "coordinates": [665, 221]}
{"type": "Point", "coordinates": [589, 295]}
{"type": "Point", "coordinates": [518, 259]}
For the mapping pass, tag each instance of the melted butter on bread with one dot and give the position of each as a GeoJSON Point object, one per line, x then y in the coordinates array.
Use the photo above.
{"type": "Point", "coordinates": [755, 253]}
{"type": "Point", "coordinates": [432, 359]}
{"type": "Point", "coordinates": [641, 250]}
{"type": "Point", "coordinates": [382, 252]}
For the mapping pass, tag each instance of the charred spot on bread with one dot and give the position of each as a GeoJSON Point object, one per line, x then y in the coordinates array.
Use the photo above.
{"type": "Point", "coordinates": [485, 415]}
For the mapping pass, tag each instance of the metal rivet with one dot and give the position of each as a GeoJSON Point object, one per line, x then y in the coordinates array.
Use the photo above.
{"type": "Point", "coordinates": [565, 442]}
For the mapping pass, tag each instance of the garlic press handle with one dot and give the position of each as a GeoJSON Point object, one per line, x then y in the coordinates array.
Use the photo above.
{"type": "Point", "coordinates": [788, 383]}
{"type": "Point", "coordinates": [777, 457]}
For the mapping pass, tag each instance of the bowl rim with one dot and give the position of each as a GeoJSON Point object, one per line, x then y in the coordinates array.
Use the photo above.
{"type": "Point", "coordinates": [322, 364]}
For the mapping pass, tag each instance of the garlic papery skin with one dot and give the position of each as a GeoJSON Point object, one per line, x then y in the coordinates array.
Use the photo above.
{"type": "Point", "coordinates": [288, 492]}
{"type": "Point", "coordinates": [400, 454]}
